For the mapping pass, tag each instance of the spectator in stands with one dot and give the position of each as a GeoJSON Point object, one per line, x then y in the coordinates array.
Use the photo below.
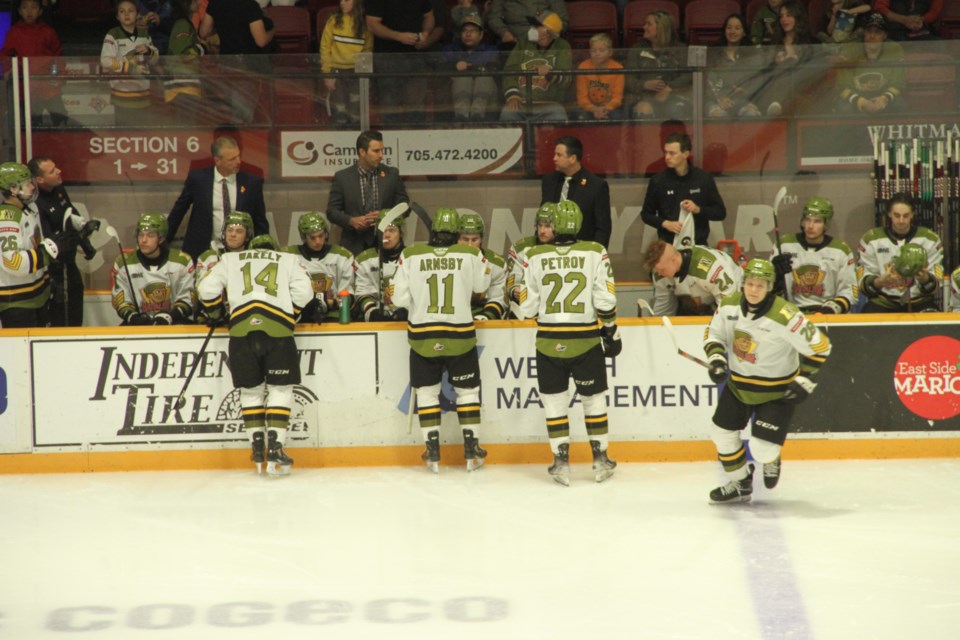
{"type": "Point", "coordinates": [545, 52]}
{"type": "Point", "coordinates": [31, 38]}
{"type": "Point", "coordinates": [182, 87]}
{"type": "Point", "coordinates": [156, 16]}
{"type": "Point", "coordinates": [875, 81]}
{"type": "Point", "coordinates": [572, 181]}
{"type": "Point", "coordinates": [732, 70]}
{"type": "Point", "coordinates": [344, 36]}
{"type": "Point", "coordinates": [901, 264]}
{"type": "Point", "coordinates": [788, 72]}
{"type": "Point", "coordinates": [764, 23]}
{"type": "Point", "coordinates": [510, 19]}
{"type": "Point", "coordinates": [400, 29]}
{"type": "Point", "coordinates": [464, 8]}
{"type": "Point", "coordinates": [600, 96]}
{"type": "Point", "coordinates": [658, 86]}
{"type": "Point", "coordinates": [843, 17]}
{"type": "Point", "coordinates": [128, 51]}
{"type": "Point", "coordinates": [473, 96]}
{"type": "Point", "coordinates": [910, 19]}
{"type": "Point", "coordinates": [47, 10]}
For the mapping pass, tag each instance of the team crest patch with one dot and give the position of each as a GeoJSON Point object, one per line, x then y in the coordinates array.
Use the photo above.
{"type": "Point", "coordinates": [560, 348]}
{"type": "Point", "coordinates": [744, 346]}
{"type": "Point", "coordinates": [438, 347]}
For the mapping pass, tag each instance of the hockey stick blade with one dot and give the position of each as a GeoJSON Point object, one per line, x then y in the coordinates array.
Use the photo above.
{"type": "Point", "coordinates": [689, 356]}
{"type": "Point", "coordinates": [110, 231]}
{"type": "Point", "coordinates": [392, 215]}
{"type": "Point", "coordinates": [780, 196]}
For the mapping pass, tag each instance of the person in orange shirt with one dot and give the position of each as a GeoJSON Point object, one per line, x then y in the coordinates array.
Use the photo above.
{"type": "Point", "coordinates": [600, 96]}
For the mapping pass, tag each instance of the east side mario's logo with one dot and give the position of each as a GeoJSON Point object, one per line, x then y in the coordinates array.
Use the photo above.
{"type": "Point", "coordinates": [927, 377]}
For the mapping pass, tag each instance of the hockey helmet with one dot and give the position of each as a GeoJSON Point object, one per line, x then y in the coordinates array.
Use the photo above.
{"type": "Point", "coordinates": [310, 223]}
{"type": "Point", "coordinates": [396, 223]}
{"type": "Point", "coordinates": [240, 218]}
{"type": "Point", "coordinates": [545, 213]}
{"type": "Point", "coordinates": [818, 207]}
{"type": "Point", "coordinates": [568, 218]}
{"type": "Point", "coordinates": [911, 259]}
{"type": "Point", "coordinates": [264, 241]}
{"type": "Point", "coordinates": [13, 174]}
{"type": "Point", "coordinates": [761, 269]}
{"type": "Point", "coordinates": [447, 220]}
{"type": "Point", "coordinates": [153, 223]}
{"type": "Point", "coordinates": [471, 224]}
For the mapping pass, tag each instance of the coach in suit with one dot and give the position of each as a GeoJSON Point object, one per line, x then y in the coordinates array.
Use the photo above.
{"type": "Point", "coordinates": [211, 193]}
{"type": "Point", "coordinates": [359, 193]}
{"type": "Point", "coordinates": [571, 181]}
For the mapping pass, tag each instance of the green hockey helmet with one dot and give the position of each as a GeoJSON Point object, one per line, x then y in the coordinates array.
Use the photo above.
{"type": "Point", "coordinates": [447, 220]}
{"type": "Point", "coordinates": [546, 212]}
{"type": "Point", "coordinates": [398, 223]}
{"type": "Point", "coordinates": [242, 219]}
{"type": "Point", "coordinates": [818, 207]}
{"type": "Point", "coordinates": [264, 241]}
{"type": "Point", "coordinates": [310, 223]}
{"type": "Point", "coordinates": [13, 174]}
{"type": "Point", "coordinates": [471, 224]}
{"type": "Point", "coordinates": [567, 219]}
{"type": "Point", "coordinates": [911, 260]}
{"type": "Point", "coordinates": [761, 269]}
{"type": "Point", "coordinates": [153, 223]}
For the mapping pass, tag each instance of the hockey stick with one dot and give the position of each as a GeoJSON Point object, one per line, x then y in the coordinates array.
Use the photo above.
{"type": "Point", "coordinates": [389, 218]}
{"type": "Point", "coordinates": [776, 209]}
{"type": "Point", "coordinates": [181, 401]}
{"type": "Point", "coordinates": [411, 409]}
{"type": "Point", "coordinates": [113, 234]}
{"type": "Point", "coordinates": [669, 327]}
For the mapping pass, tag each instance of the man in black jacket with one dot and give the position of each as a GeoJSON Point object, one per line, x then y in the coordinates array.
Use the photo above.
{"type": "Point", "coordinates": [679, 191]}
{"type": "Point", "coordinates": [571, 181]}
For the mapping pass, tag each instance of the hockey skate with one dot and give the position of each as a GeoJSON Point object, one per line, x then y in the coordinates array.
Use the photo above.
{"type": "Point", "coordinates": [771, 473]}
{"type": "Point", "coordinates": [560, 469]}
{"type": "Point", "coordinates": [431, 454]}
{"type": "Point", "coordinates": [734, 491]}
{"type": "Point", "coordinates": [603, 466]}
{"type": "Point", "coordinates": [472, 452]}
{"type": "Point", "coordinates": [278, 462]}
{"type": "Point", "coordinates": [257, 454]}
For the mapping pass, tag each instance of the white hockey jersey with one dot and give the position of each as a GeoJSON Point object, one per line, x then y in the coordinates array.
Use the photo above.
{"type": "Point", "coordinates": [516, 258]}
{"type": "Point", "coordinates": [493, 304]}
{"type": "Point", "coordinates": [24, 282]}
{"type": "Point", "coordinates": [158, 285]}
{"type": "Point", "coordinates": [435, 285]}
{"type": "Point", "coordinates": [953, 304]}
{"type": "Point", "coordinates": [820, 273]}
{"type": "Point", "coordinates": [265, 291]}
{"type": "Point", "coordinates": [706, 276]}
{"type": "Point", "coordinates": [367, 282]}
{"type": "Point", "coordinates": [878, 249]}
{"type": "Point", "coordinates": [329, 274]}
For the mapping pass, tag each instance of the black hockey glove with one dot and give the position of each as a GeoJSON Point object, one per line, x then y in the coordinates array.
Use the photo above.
{"type": "Point", "coordinates": [379, 315]}
{"type": "Point", "coordinates": [135, 319]}
{"type": "Point", "coordinates": [610, 339]}
{"type": "Point", "coordinates": [400, 314]}
{"type": "Point", "coordinates": [315, 311]}
{"type": "Point", "coordinates": [799, 390]}
{"type": "Point", "coordinates": [88, 250]}
{"type": "Point", "coordinates": [162, 319]}
{"type": "Point", "coordinates": [783, 264]}
{"type": "Point", "coordinates": [89, 228]}
{"type": "Point", "coordinates": [718, 368]}
{"type": "Point", "coordinates": [830, 307]}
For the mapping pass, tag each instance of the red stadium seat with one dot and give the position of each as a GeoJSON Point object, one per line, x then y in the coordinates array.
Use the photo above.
{"type": "Point", "coordinates": [703, 19]}
{"type": "Point", "coordinates": [292, 26]}
{"type": "Point", "coordinates": [950, 20]}
{"type": "Point", "coordinates": [590, 17]}
{"type": "Point", "coordinates": [636, 12]}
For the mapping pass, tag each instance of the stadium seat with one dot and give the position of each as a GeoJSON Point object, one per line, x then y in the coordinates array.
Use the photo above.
{"type": "Point", "coordinates": [85, 10]}
{"type": "Point", "coordinates": [636, 12]}
{"type": "Point", "coordinates": [321, 21]}
{"type": "Point", "coordinates": [817, 10]}
{"type": "Point", "coordinates": [292, 26]}
{"type": "Point", "coordinates": [589, 17]}
{"type": "Point", "coordinates": [950, 20]}
{"type": "Point", "coordinates": [703, 19]}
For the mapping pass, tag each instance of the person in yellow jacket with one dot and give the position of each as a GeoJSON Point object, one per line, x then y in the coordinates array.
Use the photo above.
{"type": "Point", "coordinates": [344, 36]}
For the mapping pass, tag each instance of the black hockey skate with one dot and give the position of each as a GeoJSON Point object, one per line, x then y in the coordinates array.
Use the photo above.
{"type": "Point", "coordinates": [603, 466]}
{"type": "Point", "coordinates": [560, 469]}
{"type": "Point", "coordinates": [734, 491]}
{"type": "Point", "coordinates": [431, 454]}
{"type": "Point", "coordinates": [258, 453]}
{"type": "Point", "coordinates": [771, 473]}
{"type": "Point", "coordinates": [278, 462]}
{"type": "Point", "coordinates": [472, 452]}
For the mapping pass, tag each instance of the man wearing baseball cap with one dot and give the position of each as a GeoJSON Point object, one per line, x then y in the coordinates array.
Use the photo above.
{"type": "Point", "coordinates": [541, 60]}
{"type": "Point", "coordinates": [509, 19]}
{"type": "Point", "coordinates": [473, 96]}
{"type": "Point", "coordinates": [874, 81]}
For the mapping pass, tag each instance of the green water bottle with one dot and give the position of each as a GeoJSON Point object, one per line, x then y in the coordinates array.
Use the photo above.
{"type": "Point", "coordinates": [344, 307]}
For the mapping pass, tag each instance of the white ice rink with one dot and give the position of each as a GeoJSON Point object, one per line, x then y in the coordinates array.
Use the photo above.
{"type": "Point", "coordinates": [845, 550]}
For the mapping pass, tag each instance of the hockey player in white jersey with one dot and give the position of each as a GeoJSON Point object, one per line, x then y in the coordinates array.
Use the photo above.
{"type": "Point", "coordinates": [953, 304]}
{"type": "Point", "coordinates": [569, 286]}
{"type": "Point", "coordinates": [24, 282]}
{"type": "Point", "coordinates": [373, 275]}
{"type": "Point", "coordinates": [237, 233]}
{"type": "Point", "coordinates": [901, 264]}
{"type": "Point", "coordinates": [329, 266]}
{"type": "Point", "coordinates": [816, 271]}
{"type": "Point", "coordinates": [491, 305]}
{"type": "Point", "coordinates": [691, 281]}
{"type": "Point", "coordinates": [516, 256]}
{"type": "Point", "coordinates": [154, 284]}
{"type": "Point", "coordinates": [435, 283]}
{"type": "Point", "coordinates": [265, 291]}
{"type": "Point", "coordinates": [771, 353]}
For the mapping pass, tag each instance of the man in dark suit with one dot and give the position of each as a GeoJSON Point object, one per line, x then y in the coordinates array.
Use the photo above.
{"type": "Point", "coordinates": [359, 193]}
{"type": "Point", "coordinates": [212, 193]}
{"type": "Point", "coordinates": [571, 181]}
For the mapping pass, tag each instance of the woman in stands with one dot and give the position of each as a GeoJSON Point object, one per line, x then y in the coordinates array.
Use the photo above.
{"type": "Point", "coordinates": [789, 70]}
{"type": "Point", "coordinates": [659, 85]}
{"type": "Point", "coordinates": [732, 70]}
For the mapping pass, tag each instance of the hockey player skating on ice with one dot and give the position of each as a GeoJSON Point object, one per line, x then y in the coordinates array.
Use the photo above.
{"type": "Point", "coordinates": [568, 287]}
{"type": "Point", "coordinates": [492, 304]}
{"type": "Point", "coordinates": [373, 274]}
{"type": "Point", "coordinates": [265, 291]}
{"type": "Point", "coordinates": [154, 284]}
{"type": "Point", "coordinates": [692, 281]}
{"type": "Point", "coordinates": [329, 266]}
{"type": "Point", "coordinates": [901, 264]}
{"type": "Point", "coordinates": [771, 352]}
{"type": "Point", "coordinates": [435, 283]}
{"type": "Point", "coordinates": [516, 256]}
{"type": "Point", "coordinates": [816, 271]}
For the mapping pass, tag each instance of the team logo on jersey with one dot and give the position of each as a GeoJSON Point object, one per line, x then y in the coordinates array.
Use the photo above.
{"type": "Point", "coordinates": [438, 347]}
{"type": "Point", "coordinates": [155, 298]}
{"type": "Point", "coordinates": [560, 348]}
{"type": "Point", "coordinates": [744, 347]}
{"type": "Point", "coordinates": [808, 281]}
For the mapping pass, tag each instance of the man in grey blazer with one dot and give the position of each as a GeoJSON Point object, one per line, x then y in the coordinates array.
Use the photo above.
{"type": "Point", "coordinates": [361, 191]}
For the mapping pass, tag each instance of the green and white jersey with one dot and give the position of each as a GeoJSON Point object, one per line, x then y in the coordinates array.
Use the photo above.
{"type": "Point", "coordinates": [330, 272]}
{"type": "Point", "coordinates": [820, 273]}
{"type": "Point", "coordinates": [265, 290]}
{"type": "Point", "coordinates": [157, 285]}
{"type": "Point", "coordinates": [765, 349]}
{"type": "Point", "coordinates": [878, 248]}
{"type": "Point", "coordinates": [205, 262]}
{"type": "Point", "coordinates": [568, 288]}
{"type": "Point", "coordinates": [24, 282]}
{"type": "Point", "coordinates": [516, 257]}
{"type": "Point", "coordinates": [493, 304]}
{"type": "Point", "coordinates": [705, 276]}
{"type": "Point", "coordinates": [435, 285]}
{"type": "Point", "coordinates": [954, 303]}
{"type": "Point", "coordinates": [367, 282]}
